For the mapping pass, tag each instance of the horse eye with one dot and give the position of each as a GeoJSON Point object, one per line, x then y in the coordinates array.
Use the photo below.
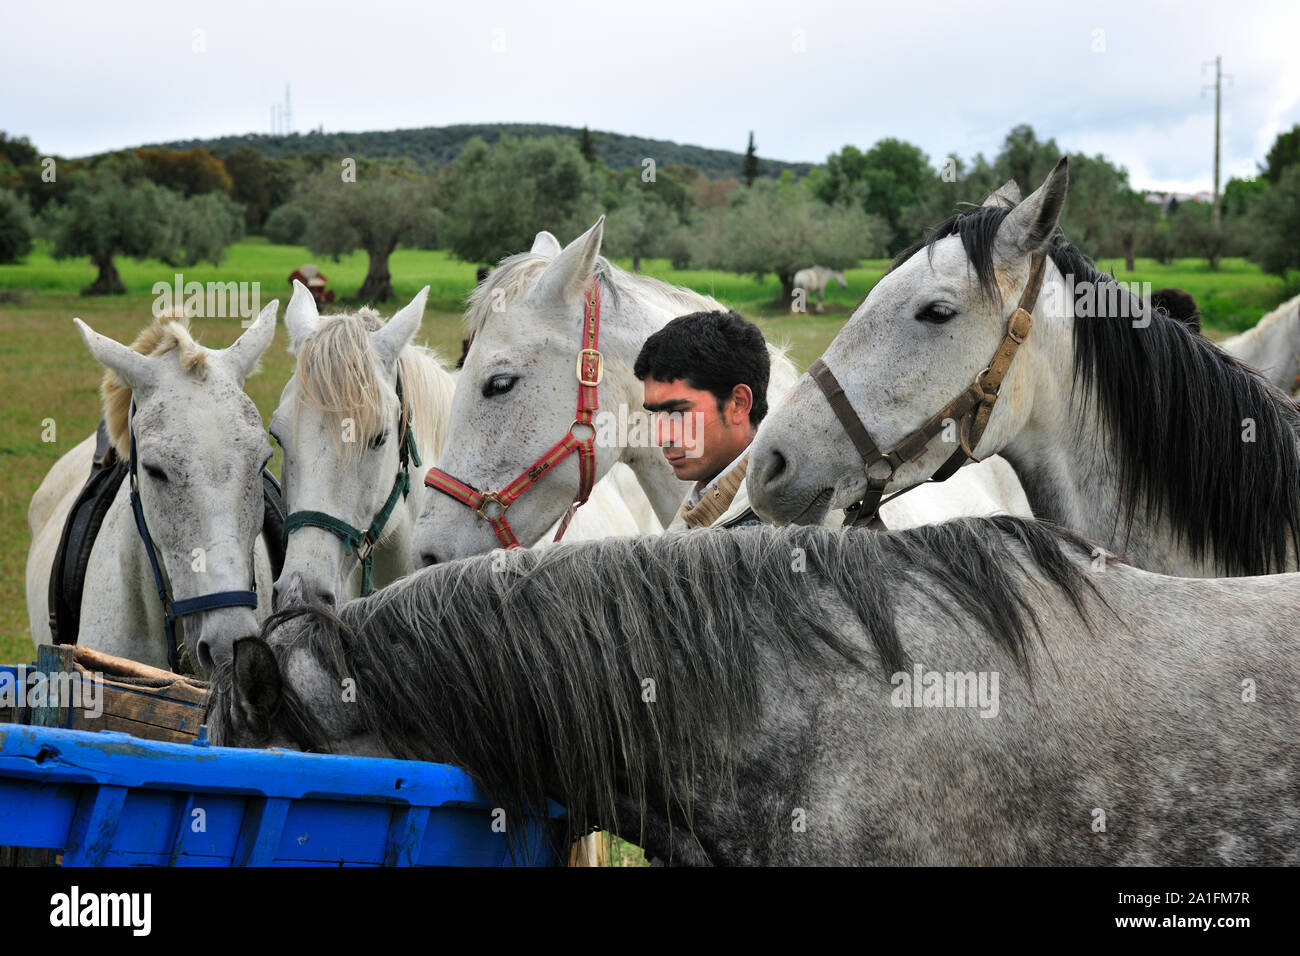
{"type": "Point", "coordinates": [378, 440]}
{"type": "Point", "coordinates": [156, 473]}
{"type": "Point", "coordinates": [935, 314]}
{"type": "Point", "coordinates": [499, 385]}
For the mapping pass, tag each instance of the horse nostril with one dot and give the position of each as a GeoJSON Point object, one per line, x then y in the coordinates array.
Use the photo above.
{"type": "Point", "coordinates": [428, 559]}
{"type": "Point", "coordinates": [770, 468]}
{"type": "Point", "coordinates": [776, 465]}
{"type": "Point", "coordinates": [323, 597]}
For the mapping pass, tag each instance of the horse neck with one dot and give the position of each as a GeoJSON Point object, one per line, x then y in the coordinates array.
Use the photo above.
{"type": "Point", "coordinates": [1272, 346]}
{"type": "Point", "coordinates": [1069, 479]}
{"type": "Point", "coordinates": [1065, 459]}
{"type": "Point", "coordinates": [1071, 483]}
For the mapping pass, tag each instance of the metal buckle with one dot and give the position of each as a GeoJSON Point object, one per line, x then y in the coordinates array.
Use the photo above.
{"type": "Point", "coordinates": [367, 546]}
{"type": "Point", "coordinates": [879, 480]}
{"type": "Point", "coordinates": [1019, 318]}
{"type": "Point", "coordinates": [490, 497]}
{"type": "Point", "coordinates": [979, 380]}
{"type": "Point", "coordinates": [600, 367]}
{"type": "Point", "coordinates": [578, 424]}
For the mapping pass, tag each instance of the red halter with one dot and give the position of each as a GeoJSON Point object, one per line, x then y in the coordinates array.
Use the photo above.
{"type": "Point", "coordinates": [590, 369]}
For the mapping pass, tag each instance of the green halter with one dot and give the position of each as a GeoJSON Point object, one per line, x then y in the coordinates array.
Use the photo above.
{"type": "Point", "coordinates": [362, 543]}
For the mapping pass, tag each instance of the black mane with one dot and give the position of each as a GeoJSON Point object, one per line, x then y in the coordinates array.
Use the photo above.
{"type": "Point", "coordinates": [1177, 407]}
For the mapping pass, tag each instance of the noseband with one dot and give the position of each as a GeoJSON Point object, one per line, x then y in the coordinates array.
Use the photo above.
{"type": "Point", "coordinates": [173, 610]}
{"type": "Point", "coordinates": [355, 541]}
{"type": "Point", "coordinates": [971, 409]}
{"type": "Point", "coordinates": [491, 505]}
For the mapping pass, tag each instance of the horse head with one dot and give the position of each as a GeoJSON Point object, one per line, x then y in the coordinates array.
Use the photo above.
{"type": "Point", "coordinates": [921, 337]}
{"type": "Point", "coordinates": [347, 435]}
{"type": "Point", "coordinates": [199, 448]}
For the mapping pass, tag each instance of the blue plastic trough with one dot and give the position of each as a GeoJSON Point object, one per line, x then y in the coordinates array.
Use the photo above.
{"type": "Point", "coordinates": [110, 799]}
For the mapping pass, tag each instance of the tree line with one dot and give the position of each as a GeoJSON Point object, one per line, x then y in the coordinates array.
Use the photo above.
{"type": "Point", "coordinates": [183, 206]}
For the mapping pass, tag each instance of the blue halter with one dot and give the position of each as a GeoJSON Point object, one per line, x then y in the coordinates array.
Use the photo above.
{"type": "Point", "coordinates": [172, 610]}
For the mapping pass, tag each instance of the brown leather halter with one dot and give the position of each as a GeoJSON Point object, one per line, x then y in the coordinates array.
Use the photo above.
{"type": "Point", "coordinates": [491, 505]}
{"type": "Point", "coordinates": [971, 408]}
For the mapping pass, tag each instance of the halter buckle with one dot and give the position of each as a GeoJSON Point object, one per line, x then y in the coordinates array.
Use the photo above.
{"type": "Point", "coordinates": [881, 478]}
{"type": "Point", "coordinates": [600, 367]}
{"type": "Point", "coordinates": [1018, 326]}
{"type": "Point", "coordinates": [489, 497]}
{"type": "Point", "coordinates": [979, 381]}
{"type": "Point", "coordinates": [363, 550]}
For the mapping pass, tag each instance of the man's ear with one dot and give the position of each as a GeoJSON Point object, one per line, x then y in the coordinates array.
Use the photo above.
{"type": "Point", "coordinates": [742, 397]}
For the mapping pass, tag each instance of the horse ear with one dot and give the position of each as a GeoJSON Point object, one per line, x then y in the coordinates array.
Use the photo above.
{"type": "Point", "coordinates": [256, 686]}
{"type": "Point", "coordinates": [546, 245]}
{"type": "Point", "coordinates": [301, 317]}
{"type": "Point", "coordinates": [1030, 224]}
{"type": "Point", "coordinates": [571, 270]}
{"type": "Point", "coordinates": [132, 369]}
{"type": "Point", "coordinates": [1008, 194]}
{"type": "Point", "coordinates": [248, 349]}
{"type": "Point", "coordinates": [399, 330]}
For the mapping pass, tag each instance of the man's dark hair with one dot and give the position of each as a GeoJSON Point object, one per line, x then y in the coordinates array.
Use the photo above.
{"type": "Point", "coordinates": [713, 352]}
{"type": "Point", "coordinates": [1178, 305]}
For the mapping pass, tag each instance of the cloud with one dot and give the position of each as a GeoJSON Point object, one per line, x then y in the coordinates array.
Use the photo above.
{"type": "Point", "coordinates": [1119, 78]}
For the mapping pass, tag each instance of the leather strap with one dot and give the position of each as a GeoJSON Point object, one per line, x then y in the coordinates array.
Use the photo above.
{"type": "Point", "coordinates": [491, 506]}
{"type": "Point", "coordinates": [971, 409]}
{"type": "Point", "coordinates": [174, 610]}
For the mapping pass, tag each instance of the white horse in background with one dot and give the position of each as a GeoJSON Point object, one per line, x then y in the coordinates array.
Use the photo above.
{"type": "Point", "coordinates": [201, 449]}
{"type": "Point", "coordinates": [810, 282]}
{"type": "Point", "coordinates": [516, 397]}
{"type": "Point", "coordinates": [340, 424]}
{"type": "Point", "coordinates": [1272, 346]}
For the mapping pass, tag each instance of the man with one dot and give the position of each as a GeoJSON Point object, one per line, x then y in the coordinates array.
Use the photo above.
{"type": "Point", "coordinates": [705, 378]}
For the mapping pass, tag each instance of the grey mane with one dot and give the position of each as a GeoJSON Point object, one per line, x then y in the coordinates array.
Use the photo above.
{"type": "Point", "coordinates": [529, 669]}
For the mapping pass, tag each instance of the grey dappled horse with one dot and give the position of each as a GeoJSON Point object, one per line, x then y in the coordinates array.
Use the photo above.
{"type": "Point", "coordinates": [976, 692]}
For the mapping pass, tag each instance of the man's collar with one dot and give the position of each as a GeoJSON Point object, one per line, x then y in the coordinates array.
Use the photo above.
{"type": "Point", "coordinates": [702, 486]}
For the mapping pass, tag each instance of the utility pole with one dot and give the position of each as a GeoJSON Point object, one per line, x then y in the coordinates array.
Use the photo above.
{"type": "Point", "coordinates": [1214, 209]}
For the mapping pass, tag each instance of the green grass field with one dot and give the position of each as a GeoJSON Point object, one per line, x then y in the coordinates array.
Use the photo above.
{"type": "Point", "coordinates": [48, 374]}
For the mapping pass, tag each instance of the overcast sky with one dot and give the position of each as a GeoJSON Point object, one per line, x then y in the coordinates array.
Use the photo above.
{"type": "Point", "coordinates": [1119, 78]}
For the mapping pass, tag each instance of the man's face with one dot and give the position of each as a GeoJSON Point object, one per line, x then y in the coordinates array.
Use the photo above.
{"type": "Point", "coordinates": [698, 440]}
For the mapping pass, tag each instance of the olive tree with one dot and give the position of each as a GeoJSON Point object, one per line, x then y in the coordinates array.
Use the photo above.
{"type": "Point", "coordinates": [16, 226]}
{"type": "Point", "coordinates": [105, 216]}
{"type": "Point", "coordinates": [375, 211]}
{"type": "Point", "coordinates": [497, 198]}
{"type": "Point", "coordinates": [780, 227]}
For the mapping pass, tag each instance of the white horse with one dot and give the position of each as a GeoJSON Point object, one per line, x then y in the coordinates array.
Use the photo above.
{"type": "Point", "coordinates": [810, 282]}
{"type": "Point", "coordinates": [200, 448]}
{"type": "Point", "coordinates": [1121, 423]}
{"type": "Point", "coordinates": [517, 396]}
{"type": "Point", "coordinates": [346, 462]}
{"type": "Point", "coordinates": [1272, 346]}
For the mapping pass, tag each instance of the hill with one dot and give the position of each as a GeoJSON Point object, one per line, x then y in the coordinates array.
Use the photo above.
{"type": "Point", "coordinates": [433, 146]}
